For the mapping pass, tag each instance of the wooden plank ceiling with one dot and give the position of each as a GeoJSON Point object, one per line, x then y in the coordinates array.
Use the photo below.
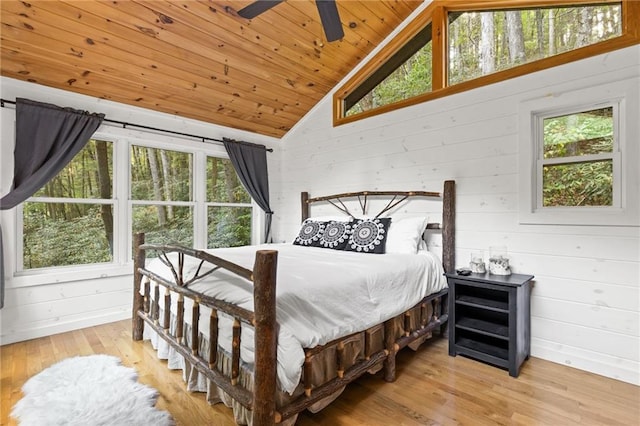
{"type": "Point", "coordinates": [195, 59]}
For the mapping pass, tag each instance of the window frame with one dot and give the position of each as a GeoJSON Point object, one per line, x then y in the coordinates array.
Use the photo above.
{"type": "Point", "coordinates": [614, 155]}
{"type": "Point", "coordinates": [254, 225]}
{"type": "Point", "coordinates": [624, 211]}
{"type": "Point", "coordinates": [123, 219]}
{"type": "Point", "coordinates": [19, 260]}
{"type": "Point", "coordinates": [144, 202]}
{"type": "Point", "coordinates": [436, 14]}
{"type": "Point", "coordinates": [393, 63]}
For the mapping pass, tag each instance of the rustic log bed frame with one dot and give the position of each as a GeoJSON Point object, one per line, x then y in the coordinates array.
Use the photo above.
{"type": "Point", "coordinates": [261, 400]}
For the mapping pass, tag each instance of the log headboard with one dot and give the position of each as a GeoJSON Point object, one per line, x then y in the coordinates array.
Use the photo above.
{"type": "Point", "coordinates": [448, 196]}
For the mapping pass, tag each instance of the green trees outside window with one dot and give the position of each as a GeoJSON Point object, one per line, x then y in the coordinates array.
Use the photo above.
{"type": "Point", "coordinates": [79, 218]}
{"type": "Point", "coordinates": [485, 42]}
{"type": "Point", "coordinates": [70, 220]}
{"type": "Point", "coordinates": [229, 210]}
{"type": "Point", "coordinates": [394, 83]}
{"type": "Point", "coordinates": [162, 194]}
{"type": "Point", "coordinates": [454, 46]}
{"type": "Point", "coordinates": [577, 159]}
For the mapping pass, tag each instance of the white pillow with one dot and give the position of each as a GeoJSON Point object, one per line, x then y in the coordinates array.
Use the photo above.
{"type": "Point", "coordinates": [405, 234]}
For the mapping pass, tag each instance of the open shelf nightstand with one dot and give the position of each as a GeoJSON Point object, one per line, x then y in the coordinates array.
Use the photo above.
{"type": "Point", "coordinates": [489, 318]}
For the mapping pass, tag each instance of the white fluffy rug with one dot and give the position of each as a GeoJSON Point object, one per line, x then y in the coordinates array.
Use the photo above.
{"type": "Point", "coordinates": [88, 390]}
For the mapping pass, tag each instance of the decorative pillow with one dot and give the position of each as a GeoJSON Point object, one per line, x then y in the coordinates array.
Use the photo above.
{"type": "Point", "coordinates": [406, 234]}
{"type": "Point", "coordinates": [336, 234]}
{"type": "Point", "coordinates": [369, 235]}
{"type": "Point", "coordinates": [310, 233]}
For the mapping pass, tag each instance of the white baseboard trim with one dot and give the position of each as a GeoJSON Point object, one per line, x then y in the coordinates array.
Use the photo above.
{"type": "Point", "coordinates": [604, 365]}
{"type": "Point", "coordinates": [63, 327]}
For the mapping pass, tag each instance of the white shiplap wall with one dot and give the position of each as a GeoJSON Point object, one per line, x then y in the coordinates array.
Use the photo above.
{"type": "Point", "coordinates": [585, 302]}
{"type": "Point", "coordinates": [44, 304]}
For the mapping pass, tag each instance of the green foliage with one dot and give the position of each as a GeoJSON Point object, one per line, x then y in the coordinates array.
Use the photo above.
{"type": "Point", "coordinates": [229, 226]}
{"type": "Point", "coordinates": [81, 178]}
{"type": "Point", "coordinates": [71, 233]}
{"type": "Point", "coordinates": [584, 133]}
{"type": "Point", "coordinates": [158, 174]}
{"type": "Point", "coordinates": [67, 233]}
{"type": "Point", "coordinates": [223, 184]}
{"type": "Point", "coordinates": [411, 79]}
{"type": "Point", "coordinates": [578, 183]}
{"type": "Point", "coordinates": [176, 230]}
{"type": "Point", "coordinates": [544, 32]}
{"type": "Point", "coordinates": [59, 242]}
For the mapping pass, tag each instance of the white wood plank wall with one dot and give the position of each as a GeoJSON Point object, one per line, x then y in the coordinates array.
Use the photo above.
{"type": "Point", "coordinates": [585, 302]}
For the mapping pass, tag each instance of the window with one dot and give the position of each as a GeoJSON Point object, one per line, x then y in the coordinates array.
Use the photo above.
{"type": "Point", "coordinates": [578, 157]}
{"type": "Point", "coordinates": [162, 195]}
{"type": "Point", "coordinates": [177, 192]}
{"type": "Point", "coordinates": [407, 74]}
{"type": "Point", "coordinates": [70, 220]}
{"type": "Point", "coordinates": [578, 153]}
{"type": "Point", "coordinates": [484, 42]}
{"type": "Point", "coordinates": [229, 210]}
{"type": "Point", "coordinates": [453, 46]}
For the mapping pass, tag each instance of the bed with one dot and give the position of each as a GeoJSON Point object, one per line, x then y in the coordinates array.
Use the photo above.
{"type": "Point", "coordinates": [207, 310]}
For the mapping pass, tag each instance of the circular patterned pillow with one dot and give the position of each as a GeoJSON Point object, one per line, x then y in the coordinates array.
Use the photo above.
{"type": "Point", "coordinates": [336, 234]}
{"type": "Point", "coordinates": [310, 233]}
{"type": "Point", "coordinates": [369, 235]}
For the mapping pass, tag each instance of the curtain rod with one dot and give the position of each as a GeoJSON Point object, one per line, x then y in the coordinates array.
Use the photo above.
{"type": "Point", "coordinates": [125, 124]}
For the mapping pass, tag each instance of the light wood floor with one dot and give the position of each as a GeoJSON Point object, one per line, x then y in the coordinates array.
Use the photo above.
{"type": "Point", "coordinates": [431, 389]}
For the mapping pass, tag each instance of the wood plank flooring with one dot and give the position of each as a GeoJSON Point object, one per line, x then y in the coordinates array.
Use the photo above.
{"type": "Point", "coordinates": [431, 387]}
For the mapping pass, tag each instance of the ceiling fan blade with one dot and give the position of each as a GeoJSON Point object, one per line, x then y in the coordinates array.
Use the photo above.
{"type": "Point", "coordinates": [257, 7]}
{"type": "Point", "coordinates": [330, 19]}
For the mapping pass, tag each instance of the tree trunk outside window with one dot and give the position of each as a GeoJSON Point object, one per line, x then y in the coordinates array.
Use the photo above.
{"type": "Point", "coordinates": [157, 190]}
{"type": "Point", "coordinates": [516, 37]}
{"type": "Point", "coordinates": [105, 189]}
{"type": "Point", "coordinates": [487, 49]}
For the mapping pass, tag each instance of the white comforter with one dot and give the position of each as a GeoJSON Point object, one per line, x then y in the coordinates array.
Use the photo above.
{"type": "Point", "coordinates": [322, 295]}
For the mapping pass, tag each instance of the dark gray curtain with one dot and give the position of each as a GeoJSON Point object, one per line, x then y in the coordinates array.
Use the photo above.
{"type": "Point", "coordinates": [250, 163]}
{"type": "Point", "coordinates": [47, 138]}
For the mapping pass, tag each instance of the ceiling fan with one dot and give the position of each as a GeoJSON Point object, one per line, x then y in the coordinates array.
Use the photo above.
{"type": "Point", "coordinates": [326, 8]}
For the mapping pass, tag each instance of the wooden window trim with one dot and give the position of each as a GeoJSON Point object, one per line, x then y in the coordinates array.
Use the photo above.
{"type": "Point", "coordinates": [436, 15]}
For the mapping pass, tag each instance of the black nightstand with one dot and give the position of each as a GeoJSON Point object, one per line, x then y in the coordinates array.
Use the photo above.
{"type": "Point", "coordinates": [489, 318]}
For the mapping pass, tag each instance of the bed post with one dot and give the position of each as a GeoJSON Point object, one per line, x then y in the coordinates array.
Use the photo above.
{"type": "Point", "coordinates": [449, 226]}
{"type": "Point", "coordinates": [266, 338]}
{"type": "Point", "coordinates": [137, 325]}
{"type": "Point", "coordinates": [304, 200]}
{"type": "Point", "coordinates": [448, 242]}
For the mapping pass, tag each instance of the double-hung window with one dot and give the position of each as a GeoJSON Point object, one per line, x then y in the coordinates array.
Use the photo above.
{"type": "Point", "coordinates": [578, 156]}
{"type": "Point", "coordinates": [578, 161]}
{"type": "Point", "coordinates": [70, 221]}
{"type": "Point", "coordinates": [228, 204]}
{"type": "Point", "coordinates": [161, 185]}
{"type": "Point", "coordinates": [174, 192]}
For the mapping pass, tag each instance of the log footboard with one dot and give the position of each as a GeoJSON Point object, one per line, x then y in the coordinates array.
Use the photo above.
{"type": "Point", "coordinates": [261, 399]}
